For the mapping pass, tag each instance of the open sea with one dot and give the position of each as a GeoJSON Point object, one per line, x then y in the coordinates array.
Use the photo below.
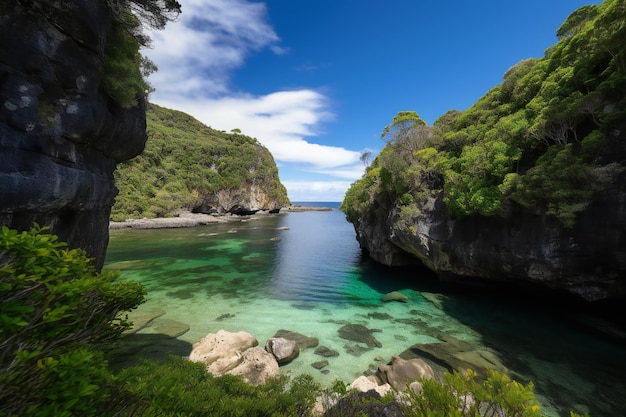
{"type": "Point", "coordinates": [304, 272]}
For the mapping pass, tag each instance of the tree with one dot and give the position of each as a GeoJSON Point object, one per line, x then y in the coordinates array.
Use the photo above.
{"type": "Point", "coordinates": [366, 157]}
{"type": "Point", "coordinates": [153, 14]}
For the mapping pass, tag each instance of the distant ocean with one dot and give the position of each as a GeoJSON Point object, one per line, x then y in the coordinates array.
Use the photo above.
{"type": "Point", "coordinates": [304, 271]}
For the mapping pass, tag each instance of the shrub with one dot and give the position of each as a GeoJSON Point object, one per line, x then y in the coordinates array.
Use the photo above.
{"type": "Point", "coordinates": [58, 315]}
{"type": "Point", "coordinates": [179, 387]}
{"type": "Point", "coordinates": [462, 394]}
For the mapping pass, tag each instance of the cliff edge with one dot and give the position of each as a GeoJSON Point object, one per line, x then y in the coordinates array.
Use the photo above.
{"type": "Point", "coordinates": [61, 135]}
{"type": "Point", "coordinates": [524, 189]}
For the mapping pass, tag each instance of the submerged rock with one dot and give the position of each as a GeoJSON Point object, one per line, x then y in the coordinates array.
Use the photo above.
{"type": "Point", "coordinates": [326, 352]}
{"type": "Point", "coordinates": [304, 342]}
{"type": "Point", "coordinates": [359, 333]}
{"type": "Point", "coordinates": [395, 296]}
{"type": "Point", "coordinates": [320, 364]}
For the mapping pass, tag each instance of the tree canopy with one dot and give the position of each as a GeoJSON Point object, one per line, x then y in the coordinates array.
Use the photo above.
{"type": "Point", "coordinates": [533, 141]}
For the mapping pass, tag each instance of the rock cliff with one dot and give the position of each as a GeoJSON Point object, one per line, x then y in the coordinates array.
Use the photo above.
{"type": "Point", "coordinates": [61, 136]}
{"type": "Point", "coordinates": [517, 247]}
{"type": "Point", "coordinates": [189, 166]}
{"type": "Point", "coordinates": [527, 187]}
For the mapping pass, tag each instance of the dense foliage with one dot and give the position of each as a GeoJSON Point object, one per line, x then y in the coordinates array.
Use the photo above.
{"type": "Point", "coordinates": [184, 160]}
{"type": "Point", "coordinates": [179, 387]}
{"type": "Point", "coordinates": [58, 316]}
{"type": "Point", "coordinates": [532, 141]}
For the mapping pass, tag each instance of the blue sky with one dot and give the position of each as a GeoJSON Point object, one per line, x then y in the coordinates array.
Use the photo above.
{"type": "Point", "coordinates": [316, 81]}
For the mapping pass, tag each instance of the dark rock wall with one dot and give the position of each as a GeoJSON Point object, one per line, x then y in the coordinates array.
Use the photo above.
{"type": "Point", "coordinates": [517, 248]}
{"type": "Point", "coordinates": [60, 135]}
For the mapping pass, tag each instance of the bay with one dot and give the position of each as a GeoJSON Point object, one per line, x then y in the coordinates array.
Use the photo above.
{"type": "Point", "coordinates": [304, 272]}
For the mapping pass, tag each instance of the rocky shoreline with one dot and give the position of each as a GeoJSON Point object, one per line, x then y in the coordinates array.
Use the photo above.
{"type": "Point", "coordinates": [188, 219]}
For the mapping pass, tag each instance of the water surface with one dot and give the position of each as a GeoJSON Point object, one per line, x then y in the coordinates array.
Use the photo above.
{"type": "Point", "coordinates": [304, 272]}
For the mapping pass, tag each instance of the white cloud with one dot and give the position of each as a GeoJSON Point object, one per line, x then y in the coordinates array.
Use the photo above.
{"type": "Point", "coordinates": [196, 56]}
{"type": "Point", "coordinates": [316, 190]}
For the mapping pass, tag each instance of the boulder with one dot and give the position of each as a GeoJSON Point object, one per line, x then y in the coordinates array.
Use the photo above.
{"type": "Point", "coordinates": [221, 347]}
{"type": "Point", "coordinates": [367, 383]}
{"type": "Point", "coordinates": [235, 354]}
{"type": "Point", "coordinates": [304, 342]}
{"type": "Point", "coordinates": [401, 373]}
{"type": "Point", "coordinates": [256, 366]}
{"type": "Point", "coordinates": [284, 350]}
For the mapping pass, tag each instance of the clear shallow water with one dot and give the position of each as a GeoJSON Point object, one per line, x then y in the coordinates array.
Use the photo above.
{"type": "Point", "coordinates": [304, 272]}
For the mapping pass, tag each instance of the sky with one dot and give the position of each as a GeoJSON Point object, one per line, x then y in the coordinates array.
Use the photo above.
{"type": "Point", "coordinates": [316, 81]}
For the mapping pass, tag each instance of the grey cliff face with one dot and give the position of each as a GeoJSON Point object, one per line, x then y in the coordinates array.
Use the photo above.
{"type": "Point", "coordinates": [517, 247]}
{"type": "Point", "coordinates": [60, 135]}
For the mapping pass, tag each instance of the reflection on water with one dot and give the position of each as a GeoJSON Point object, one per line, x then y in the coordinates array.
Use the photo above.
{"type": "Point", "coordinates": [303, 272]}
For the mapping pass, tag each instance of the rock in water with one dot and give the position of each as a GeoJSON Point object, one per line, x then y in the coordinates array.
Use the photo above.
{"type": "Point", "coordinates": [400, 373]}
{"type": "Point", "coordinates": [395, 296]}
{"type": "Point", "coordinates": [61, 134]}
{"type": "Point", "coordinates": [284, 350]}
{"type": "Point", "coordinates": [359, 333]}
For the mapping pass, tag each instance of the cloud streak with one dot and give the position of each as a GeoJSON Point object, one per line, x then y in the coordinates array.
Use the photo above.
{"type": "Point", "coordinates": [196, 57]}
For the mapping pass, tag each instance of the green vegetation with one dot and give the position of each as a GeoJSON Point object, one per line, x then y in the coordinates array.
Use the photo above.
{"type": "Point", "coordinates": [531, 142]}
{"type": "Point", "coordinates": [124, 66]}
{"type": "Point", "coordinates": [179, 387]}
{"type": "Point", "coordinates": [184, 161]}
{"type": "Point", "coordinates": [58, 316]}
{"type": "Point", "coordinates": [461, 394]}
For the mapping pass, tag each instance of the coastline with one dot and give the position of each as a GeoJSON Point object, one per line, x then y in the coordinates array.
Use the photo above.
{"type": "Point", "coordinates": [189, 219]}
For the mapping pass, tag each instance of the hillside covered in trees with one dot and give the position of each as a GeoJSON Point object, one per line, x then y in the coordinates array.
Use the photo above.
{"type": "Point", "coordinates": [187, 165]}
{"type": "Point", "coordinates": [525, 185]}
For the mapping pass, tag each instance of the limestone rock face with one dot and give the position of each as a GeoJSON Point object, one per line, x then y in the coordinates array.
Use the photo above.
{"type": "Point", "coordinates": [61, 136]}
{"type": "Point", "coordinates": [249, 198]}
{"type": "Point", "coordinates": [516, 247]}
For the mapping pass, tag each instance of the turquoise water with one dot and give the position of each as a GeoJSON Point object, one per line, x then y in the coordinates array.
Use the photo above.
{"type": "Point", "coordinates": [304, 272]}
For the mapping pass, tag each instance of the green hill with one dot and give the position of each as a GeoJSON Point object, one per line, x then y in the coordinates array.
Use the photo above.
{"type": "Point", "coordinates": [532, 141]}
{"type": "Point", "coordinates": [187, 165]}
{"type": "Point", "coordinates": [527, 187]}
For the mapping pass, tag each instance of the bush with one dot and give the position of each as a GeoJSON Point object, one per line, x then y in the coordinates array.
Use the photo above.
{"type": "Point", "coordinates": [179, 387]}
{"type": "Point", "coordinates": [461, 394]}
{"type": "Point", "coordinates": [58, 315]}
